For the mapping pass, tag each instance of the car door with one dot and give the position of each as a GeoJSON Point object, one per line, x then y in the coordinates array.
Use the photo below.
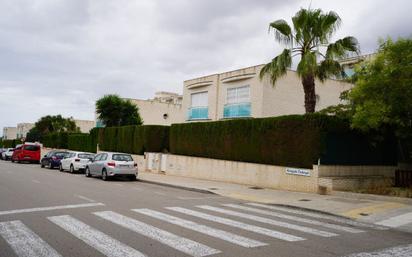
{"type": "Point", "coordinates": [92, 165]}
{"type": "Point", "coordinates": [46, 159]}
{"type": "Point", "coordinates": [66, 161]}
{"type": "Point", "coordinates": [101, 162]}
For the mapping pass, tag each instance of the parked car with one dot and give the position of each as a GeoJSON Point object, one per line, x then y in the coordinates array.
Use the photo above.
{"type": "Point", "coordinates": [52, 159]}
{"type": "Point", "coordinates": [110, 165]}
{"type": "Point", "coordinates": [75, 161]}
{"type": "Point", "coordinates": [6, 155]}
{"type": "Point", "coordinates": [27, 152]}
{"type": "Point", "coordinates": [2, 150]}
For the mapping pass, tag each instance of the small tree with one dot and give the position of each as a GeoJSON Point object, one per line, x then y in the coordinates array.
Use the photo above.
{"type": "Point", "coordinates": [115, 111]}
{"type": "Point", "coordinates": [49, 124]}
{"type": "Point", "coordinates": [312, 32]}
{"type": "Point", "coordinates": [382, 96]}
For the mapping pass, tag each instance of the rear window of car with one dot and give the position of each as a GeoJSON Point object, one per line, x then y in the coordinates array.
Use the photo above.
{"type": "Point", "coordinates": [85, 156]}
{"type": "Point", "coordinates": [31, 147]}
{"type": "Point", "coordinates": [122, 157]}
{"type": "Point", "coordinates": [61, 154]}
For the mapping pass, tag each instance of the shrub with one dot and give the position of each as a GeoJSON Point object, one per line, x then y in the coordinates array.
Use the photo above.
{"type": "Point", "coordinates": [56, 140]}
{"type": "Point", "coordinates": [10, 143]}
{"type": "Point", "coordinates": [293, 140]}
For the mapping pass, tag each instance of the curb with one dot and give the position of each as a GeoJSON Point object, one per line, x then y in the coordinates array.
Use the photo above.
{"type": "Point", "coordinates": [204, 191]}
{"type": "Point", "coordinates": [372, 197]}
{"type": "Point", "coordinates": [311, 210]}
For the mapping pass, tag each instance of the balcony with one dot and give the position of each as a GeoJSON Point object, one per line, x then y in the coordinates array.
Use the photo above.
{"type": "Point", "coordinates": [239, 110]}
{"type": "Point", "coordinates": [198, 113]}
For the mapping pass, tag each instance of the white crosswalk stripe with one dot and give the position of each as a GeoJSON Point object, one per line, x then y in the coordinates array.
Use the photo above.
{"type": "Point", "coordinates": [179, 243]}
{"type": "Point", "coordinates": [24, 241]}
{"type": "Point", "coordinates": [397, 221]}
{"type": "Point", "coordinates": [96, 239]}
{"type": "Point", "coordinates": [224, 235]}
{"type": "Point", "coordinates": [317, 215]}
{"type": "Point", "coordinates": [295, 218]}
{"type": "Point", "coordinates": [237, 224]}
{"type": "Point", "coordinates": [270, 221]}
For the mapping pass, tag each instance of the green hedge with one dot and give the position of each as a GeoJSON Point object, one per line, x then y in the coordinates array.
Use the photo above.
{"type": "Point", "coordinates": [83, 142]}
{"type": "Point", "coordinates": [10, 143]}
{"type": "Point", "coordinates": [293, 140]}
{"type": "Point", "coordinates": [134, 139]}
{"type": "Point", "coordinates": [56, 140]}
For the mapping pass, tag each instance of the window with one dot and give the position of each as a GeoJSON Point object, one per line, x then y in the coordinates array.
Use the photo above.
{"type": "Point", "coordinates": [85, 156]}
{"type": "Point", "coordinates": [199, 106]}
{"type": "Point", "coordinates": [199, 99]}
{"type": "Point", "coordinates": [31, 147]}
{"type": "Point", "coordinates": [97, 157]}
{"type": "Point", "coordinates": [122, 157]}
{"type": "Point", "coordinates": [238, 95]}
{"type": "Point", "coordinates": [237, 102]}
{"type": "Point", "coordinates": [104, 157]}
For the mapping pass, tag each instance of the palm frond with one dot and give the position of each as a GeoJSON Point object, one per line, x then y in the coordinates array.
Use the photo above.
{"type": "Point", "coordinates": [283, 32]}
{"type": "Point", "coordinates": [308, 64]}
{"type": "Point", "coordinates": [277, 67]}
{"type": "Point", "coordinates": [328, 24]}
{"type": "Point", "coordinates": [341, 47]}
{"type": "Point", "coordinates": [330, 68]}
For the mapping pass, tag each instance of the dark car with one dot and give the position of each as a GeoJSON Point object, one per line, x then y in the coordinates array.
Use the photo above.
{"type": "Point", "coordinates": [52, 159]}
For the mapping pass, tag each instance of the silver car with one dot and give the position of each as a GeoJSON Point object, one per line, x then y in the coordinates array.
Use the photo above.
{"type": "Point", "coordinates": [110, 165]}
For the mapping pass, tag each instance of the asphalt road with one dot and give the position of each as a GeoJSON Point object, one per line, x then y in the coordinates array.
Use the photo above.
{"type": "Point", "coordinates": [48, 213]}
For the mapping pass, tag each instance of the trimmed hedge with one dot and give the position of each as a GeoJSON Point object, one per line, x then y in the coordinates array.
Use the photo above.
{"type": "Point", "coordinates": [56, 140]}
{"type": "Point", "coordinates": [83, 142]}
{"type": "Point", "coordinates": [10, 143]}
{"type": "Point", "coordinates": [293, 140]}
{"type": "Point", "coordinates": [134, 139]}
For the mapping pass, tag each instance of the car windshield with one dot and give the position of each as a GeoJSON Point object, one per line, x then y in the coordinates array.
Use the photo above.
{"type": "Point", "coordinates": [122, 157]}
{"type": "Point", "coordinates": [31, 147]}
{"type": "Point", "coordinates": [85, 156]}
{"type": "Point", "coordinates": [61, 154]}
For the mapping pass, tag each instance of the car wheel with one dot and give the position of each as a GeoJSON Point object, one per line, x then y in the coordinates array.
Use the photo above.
{"type": "Point", "coordinates": [12, 160]}
{"type": "Point", "coordinates": [104, 175]}
{"type": "Point", "coordinates": [87, 172]}
{"type": "Point", "coordinates": [61, 167]}
{"type": "Point", "coordinates": [49, 165]}
{"type": "Point", "coordinates": [133, 178]}
{"type": "Point", "coordinates": [41, 165]}
{"type": "Point", "coordinates": [71, 169]}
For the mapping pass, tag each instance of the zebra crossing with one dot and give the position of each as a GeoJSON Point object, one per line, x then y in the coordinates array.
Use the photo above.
{"type": "Point", "coordinates": [24, 241]}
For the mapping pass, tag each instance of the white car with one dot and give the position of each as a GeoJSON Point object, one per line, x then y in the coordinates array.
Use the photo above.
{"type": "Point", "coordinates": [75, 161]}
{"type": "Point", "coordinates": [6, 155]}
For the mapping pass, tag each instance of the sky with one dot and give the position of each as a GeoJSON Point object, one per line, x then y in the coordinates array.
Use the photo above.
{"type": "Point", "coordinates": [60, 56]}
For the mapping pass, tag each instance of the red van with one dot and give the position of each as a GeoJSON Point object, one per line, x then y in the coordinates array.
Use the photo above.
{"type": "Point", "coordinates": [27, 152]}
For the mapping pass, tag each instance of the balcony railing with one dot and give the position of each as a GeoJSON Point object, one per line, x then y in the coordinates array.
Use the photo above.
{"type": "Point", "coordinates": [198, 113]}
{"type": "Point", "coordinates": [236, 110]}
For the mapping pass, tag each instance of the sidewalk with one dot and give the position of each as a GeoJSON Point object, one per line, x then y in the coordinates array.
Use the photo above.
{"type": "Point", "coordinates": [356, 206]}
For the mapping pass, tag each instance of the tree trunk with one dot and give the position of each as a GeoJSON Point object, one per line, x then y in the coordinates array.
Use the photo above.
{"type": "Point", "coordinates": [308, 83]}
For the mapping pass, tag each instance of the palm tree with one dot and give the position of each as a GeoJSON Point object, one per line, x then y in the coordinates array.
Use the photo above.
{"type": "Point", "coordinates": [312, 31]}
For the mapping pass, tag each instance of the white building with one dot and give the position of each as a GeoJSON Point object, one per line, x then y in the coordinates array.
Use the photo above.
{"type": "Point", "coordinates": [9, 133]}
{"type": "Point", "coordinates": [23, 129]}
{"type": "Point", "coordinates": [85, 125]}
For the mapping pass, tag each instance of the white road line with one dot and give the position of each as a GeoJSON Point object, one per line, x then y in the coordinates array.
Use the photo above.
{"type": "Point", "coordinates": [399, 251]}
{"type": "Point", "coordinates": [396, 221]}
{"type": "Point", "coordinates": [96, 239]}
{"type": "Point", "coordinates": [71, 206]}
{"type": "Point", "coordinates": [317, 215]}
{"type": "Point", "coordinates": [237, 224]}
{"type": "Point", "coordinates": [85, 198]}
{"type": "Point", "coordinates": [24, 241]}
{"type": "Point", "coordinates": [224, 235]}
{"type": "Point", "coordinates": [35, 181]}
{"type": "Point", "coordinates": [295, 218]}
{"type": "Point", "coordinates": [270, 221]}
{"type": "Point", "coordinates": [179, 243]}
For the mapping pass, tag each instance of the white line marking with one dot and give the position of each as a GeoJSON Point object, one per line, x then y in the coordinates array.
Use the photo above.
{"type": "Point", "coordinates": [224, 235]}
{"type": "Point", "coordinates": [72, 206]}
{"type": "Point", "coordinates": [24, 241]}
{"type": "Point", "coordinates": [399, 251]}
{"type": "Point", "coordinates": [96, 239]}
{"type": "Point", "coordinates": [295, 218]}
{"type": "Point", "coordinates": [179, 243]}
{"type": "Point", "coordinates": [317, 215]}
{"type": "Point", "coordinates": [236, 224]}
{"type": "Point", "coordinates": [396, 221]}
{"type": "Point", "coordinates": [270, 221]}
{"type": "Point", "coordinates": [35, 181]}
{"type": "Point", "coordinates": [85, 198]}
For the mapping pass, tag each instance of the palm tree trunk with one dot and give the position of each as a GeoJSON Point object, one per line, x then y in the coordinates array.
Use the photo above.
{"type": "Point", "coordinates": [308, 83]}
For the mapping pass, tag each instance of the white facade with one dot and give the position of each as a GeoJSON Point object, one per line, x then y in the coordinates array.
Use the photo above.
{"type": "Point", "coordinates": [241, 93]}
{"type": "Point", "coordinates": [85, 125]}
{"type": "Point", "coordinates": [23, 129]}
{"type": "Point", "coordinates": [9, 133]}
